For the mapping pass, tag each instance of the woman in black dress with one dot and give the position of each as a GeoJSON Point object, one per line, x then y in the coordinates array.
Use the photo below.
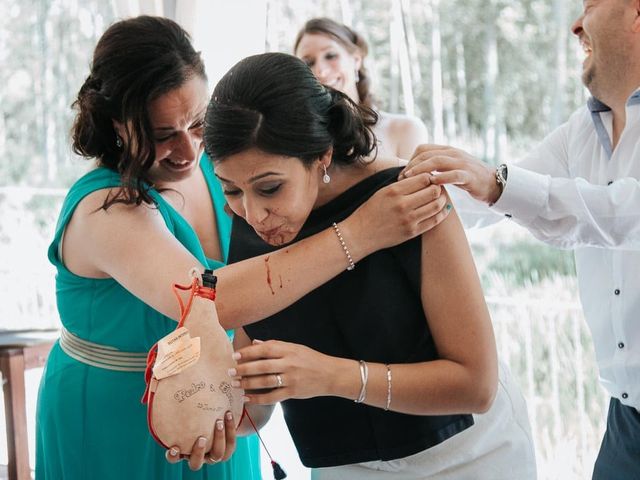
{"type": "Point", "coordinates": [405, 333]}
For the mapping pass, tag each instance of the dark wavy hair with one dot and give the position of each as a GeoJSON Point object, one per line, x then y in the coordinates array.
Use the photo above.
{"type": "Point", "coordinates": [349, 39]}
{"type": "Point", "coordinates": [274, 103]}
{"type": "Point", "coordinates": [135, 61]}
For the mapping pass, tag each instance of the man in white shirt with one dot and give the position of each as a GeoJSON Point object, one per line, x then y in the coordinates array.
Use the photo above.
{"type": "Point", "coordinates": [580, 189]}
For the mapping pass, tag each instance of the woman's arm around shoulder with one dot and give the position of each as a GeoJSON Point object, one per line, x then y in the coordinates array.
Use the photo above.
{"type": "Point", "coordinates": [133, 245]}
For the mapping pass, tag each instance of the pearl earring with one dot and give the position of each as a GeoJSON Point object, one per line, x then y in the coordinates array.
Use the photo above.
{"type": "Point", "coordinates": [325, 178]}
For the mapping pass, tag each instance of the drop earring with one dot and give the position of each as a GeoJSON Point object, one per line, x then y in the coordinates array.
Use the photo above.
{"type": "Point", "coordinates": [118, 141]}
{"type": "Point", "coordinates": [325, 178]}
{"type": "Point", "coordinates": [357, 76]}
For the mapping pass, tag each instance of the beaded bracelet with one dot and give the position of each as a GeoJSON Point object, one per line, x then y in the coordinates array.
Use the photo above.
{"type": "Point", "coordinates": [352, 265]}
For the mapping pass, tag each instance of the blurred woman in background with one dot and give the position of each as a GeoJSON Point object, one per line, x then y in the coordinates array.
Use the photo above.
{"type": "Point", "coordinates": [336, 55]}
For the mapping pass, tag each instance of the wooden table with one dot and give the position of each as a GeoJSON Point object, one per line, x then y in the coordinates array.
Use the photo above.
{"type": "Point", "coordinates": [20, 351]}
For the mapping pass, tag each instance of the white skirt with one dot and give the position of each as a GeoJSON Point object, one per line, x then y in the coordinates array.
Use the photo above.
{"type": "Point", "coordinates": [499, 446]}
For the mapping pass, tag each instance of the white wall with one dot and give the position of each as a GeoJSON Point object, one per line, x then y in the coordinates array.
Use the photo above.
{"type": "Point", "coordinates": [227, 31]}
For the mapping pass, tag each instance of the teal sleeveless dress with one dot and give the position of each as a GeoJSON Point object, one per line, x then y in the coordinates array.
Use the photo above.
{"type": "Point", "coordinates": [90, 423]}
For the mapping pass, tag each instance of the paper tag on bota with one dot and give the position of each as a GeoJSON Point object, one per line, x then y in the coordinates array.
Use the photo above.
{"type": "Point", "coordinates": [176, 352]}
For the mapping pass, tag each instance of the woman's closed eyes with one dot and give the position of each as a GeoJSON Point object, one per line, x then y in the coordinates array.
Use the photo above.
{"type": "Point", "coordinates": [265, 191]}
{"type": "Point", "coordinates": [198, 127]}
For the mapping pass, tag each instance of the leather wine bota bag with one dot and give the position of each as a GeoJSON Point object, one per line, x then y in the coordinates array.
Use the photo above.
{"type": "Point", "coordinates": [188, 387]}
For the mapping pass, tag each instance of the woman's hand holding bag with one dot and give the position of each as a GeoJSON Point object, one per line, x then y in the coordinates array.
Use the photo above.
{"type": "Point", "coordinates": [188, 387]}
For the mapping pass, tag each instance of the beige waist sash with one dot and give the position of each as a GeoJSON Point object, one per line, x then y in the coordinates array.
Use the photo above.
{"type": "Point", "coordinates": [101, 356]}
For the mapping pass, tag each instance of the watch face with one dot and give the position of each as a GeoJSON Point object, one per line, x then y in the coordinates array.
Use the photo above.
{"type": "Point", "coordinates": [503, 172]}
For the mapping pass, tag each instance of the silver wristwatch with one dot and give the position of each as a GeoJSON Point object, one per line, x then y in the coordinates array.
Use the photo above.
{"type": "Point", "coordinates": [501, 176]}
{"type": "Point", "coordinates": [501, 179]}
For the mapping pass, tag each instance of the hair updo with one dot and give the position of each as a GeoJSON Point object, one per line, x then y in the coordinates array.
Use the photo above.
{"type": "Point", "coordinates": [351, 40]}
{"type": "Point", "coordinates": [274, 103]}
{"type": "Point", "coordinates": [135, 61]}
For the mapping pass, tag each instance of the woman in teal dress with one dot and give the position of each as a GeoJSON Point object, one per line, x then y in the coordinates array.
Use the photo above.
{"type": "Point", "coordinates": [138, 223]}
{"type": "Point", "coordinates": [93, 408]}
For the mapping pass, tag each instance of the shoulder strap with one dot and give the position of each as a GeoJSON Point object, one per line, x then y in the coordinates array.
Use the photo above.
{"type": "Point", "coordinates": [223, 220]}
{"type": "Point", "coordinates": [97, 179]}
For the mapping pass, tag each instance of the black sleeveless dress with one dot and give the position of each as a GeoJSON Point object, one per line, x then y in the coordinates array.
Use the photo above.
{"type": "Point", "coordinates": [372, 313]}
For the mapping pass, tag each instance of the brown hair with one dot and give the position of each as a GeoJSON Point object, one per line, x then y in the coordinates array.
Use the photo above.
{"type": "Point", "coordinates": [135, 61]}
{"type": "Point", "coordinates": [349, 39]}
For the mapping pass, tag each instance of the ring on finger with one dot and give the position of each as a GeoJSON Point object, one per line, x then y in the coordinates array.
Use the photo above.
{"type": "Point", "coordinates": [211, 460]}
{"type": "Point", "coordinates": [279, 380]}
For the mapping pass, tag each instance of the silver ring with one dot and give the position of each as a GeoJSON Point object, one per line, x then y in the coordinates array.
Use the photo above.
{"type": "Point", "coordinates": [279, 380]}
{"type": "Point", "coordinates": [211, 460]}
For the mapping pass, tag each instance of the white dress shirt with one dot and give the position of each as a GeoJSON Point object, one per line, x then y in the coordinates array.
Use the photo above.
{"type": "Point", "coordinates": [574, 192]}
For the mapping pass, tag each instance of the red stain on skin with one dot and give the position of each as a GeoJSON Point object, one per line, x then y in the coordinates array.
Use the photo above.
{"type": "Point", "coordinates": [266, 264]}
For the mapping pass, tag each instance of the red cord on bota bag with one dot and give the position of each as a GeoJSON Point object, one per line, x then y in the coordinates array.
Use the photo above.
{"type": "Point", "coordinates": [278, 472]}
{"type": "Point", "coordinates": [207, 290]}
